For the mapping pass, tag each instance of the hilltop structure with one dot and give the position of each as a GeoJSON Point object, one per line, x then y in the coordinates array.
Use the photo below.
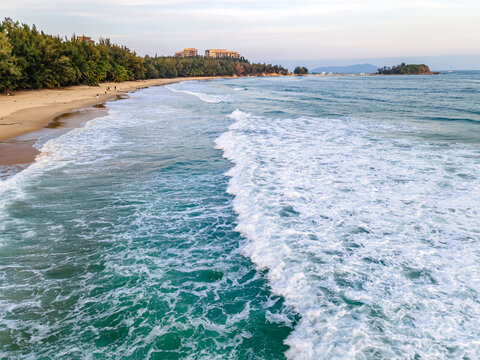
{"type": "Point", "coordinates": [222, 53]}
{"type": "Point", "coordinates": [210, 53]}
{"type": "Point", "coordinates": [187, 52]}
{"type": "Point", "coordinates": [87, 39]}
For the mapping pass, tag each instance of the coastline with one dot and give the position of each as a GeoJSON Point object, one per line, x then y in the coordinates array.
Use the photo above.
{"type": "Point", "coordinates": [26, 115]}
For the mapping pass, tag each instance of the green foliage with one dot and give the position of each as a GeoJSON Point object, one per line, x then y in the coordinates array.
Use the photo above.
{"type": "Point", "coordinates": [404, 69]}
{"type": "Point", "coordinates": [168, 67]}
{"type": "Point", "coordinates": [9, 71]}
{"type": "Point", "coordinates": [300, 70]}
{"type": "Point", "coordinates": [30, 59]}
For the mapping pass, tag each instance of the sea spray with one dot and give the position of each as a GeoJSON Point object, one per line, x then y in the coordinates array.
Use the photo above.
{"type": "Point", "coordinates": [360, 233]}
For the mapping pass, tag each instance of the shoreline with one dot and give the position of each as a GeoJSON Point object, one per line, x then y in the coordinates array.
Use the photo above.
{"type": "Point", "coordinates": [18, 152]}
{"type": "Point", "coordinates": [25, 111]}
{"type": "Point", "coordinates": [27, 115]}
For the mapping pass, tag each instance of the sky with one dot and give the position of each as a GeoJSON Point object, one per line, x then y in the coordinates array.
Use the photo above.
{"type": "Point", "coordinates": [334, 31]}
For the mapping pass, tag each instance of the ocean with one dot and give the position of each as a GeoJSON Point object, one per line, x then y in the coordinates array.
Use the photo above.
{"type": "Point", "coordinates": [252, 218]}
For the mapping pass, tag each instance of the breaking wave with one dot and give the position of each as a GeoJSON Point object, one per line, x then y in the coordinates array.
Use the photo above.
{"type": "Point", "coordinates": [373, 240]}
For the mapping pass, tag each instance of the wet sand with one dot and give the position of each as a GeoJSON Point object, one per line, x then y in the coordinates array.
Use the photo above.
{"type": "Point", "coordinates": [27, 116]}
{"type": "Point", "coordinates": [18, 152]}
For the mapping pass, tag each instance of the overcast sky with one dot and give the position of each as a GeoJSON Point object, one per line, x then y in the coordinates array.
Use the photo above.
{"type": "Point", "coordinates": [265, 29]}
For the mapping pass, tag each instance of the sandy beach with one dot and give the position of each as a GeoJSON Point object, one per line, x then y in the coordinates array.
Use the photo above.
{"type": "Point", "coordinates": [24, 113]}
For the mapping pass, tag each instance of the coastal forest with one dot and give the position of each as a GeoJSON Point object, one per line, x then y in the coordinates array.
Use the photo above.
{"type": "Point", "coordinates": [404, 69]}
{"type": "Point", "coordinates": [31, 59]}
{"type": "Point", "coordinates": [300, 70]}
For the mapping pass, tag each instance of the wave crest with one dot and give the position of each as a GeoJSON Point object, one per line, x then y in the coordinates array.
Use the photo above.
{"type": "Point", "coordinates": [208, 98]}
{"type": "Point", "coordinates": [357, 230]}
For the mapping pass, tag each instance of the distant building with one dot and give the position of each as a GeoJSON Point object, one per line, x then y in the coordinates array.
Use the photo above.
{"type": "Point", "coordinates": [188, 52]}
{"type": "Point", "coordinates": [222, 53]}
{"type": "Point", "coordinates": [87, 39]}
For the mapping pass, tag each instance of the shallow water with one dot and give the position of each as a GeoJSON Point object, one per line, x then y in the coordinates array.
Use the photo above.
{"type": "Point", "coordinates": [259, 218]}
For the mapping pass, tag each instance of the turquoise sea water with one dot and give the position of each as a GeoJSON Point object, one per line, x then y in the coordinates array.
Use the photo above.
{"type": "Point", "coordinates": [255, 218]}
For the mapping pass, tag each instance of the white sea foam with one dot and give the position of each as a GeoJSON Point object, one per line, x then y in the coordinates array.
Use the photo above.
{"type": "Point", "coordinates": [374, 240]}
{"type": "Point", "coordinates": [208, 98]}
{"type": "Point", "coordinates": [83, 145]}
{"type": "Point", "coordinates": [152, 254]}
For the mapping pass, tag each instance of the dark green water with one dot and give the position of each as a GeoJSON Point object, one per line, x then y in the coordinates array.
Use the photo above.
{"type": "Point", "coordinates": [120, 243]}
{"type": "Point", "coordinates": [257, 218]}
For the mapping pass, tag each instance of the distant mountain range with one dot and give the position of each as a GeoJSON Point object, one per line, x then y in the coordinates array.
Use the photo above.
{"type": "Point", "coordinates": [350, 69]}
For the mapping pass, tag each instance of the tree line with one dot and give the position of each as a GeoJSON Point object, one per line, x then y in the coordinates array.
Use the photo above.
{"type": "Point", "coordinates": [31, 59]}
{"type": "Point", "coordinates": [300, 70]}
{"type": "Point", "coordinates": [404, 69]}
{"type": "Point", "coordinates": [168, 67]}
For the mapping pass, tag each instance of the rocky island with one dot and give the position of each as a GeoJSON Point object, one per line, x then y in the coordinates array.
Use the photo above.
{"type": "Point", "coordinates": [406, 69]}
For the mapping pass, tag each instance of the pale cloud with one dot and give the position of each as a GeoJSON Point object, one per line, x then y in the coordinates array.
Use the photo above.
{"type": "Point", "coordinates": [266, 28]}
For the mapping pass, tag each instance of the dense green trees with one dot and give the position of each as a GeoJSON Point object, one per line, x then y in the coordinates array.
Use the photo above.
{"type": "Point", "coordinates": [168, 67]}
{"type": "Point", "coordinates": [9, 71]}
{"type": "Point", "coordinates": [31, 59]}
{"type": "Point", "coordinates": [300, 70]}
{"type": "Point", "coordinates": [404, 69]}
{"type": "Point", "coordinates": [36, 60]}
